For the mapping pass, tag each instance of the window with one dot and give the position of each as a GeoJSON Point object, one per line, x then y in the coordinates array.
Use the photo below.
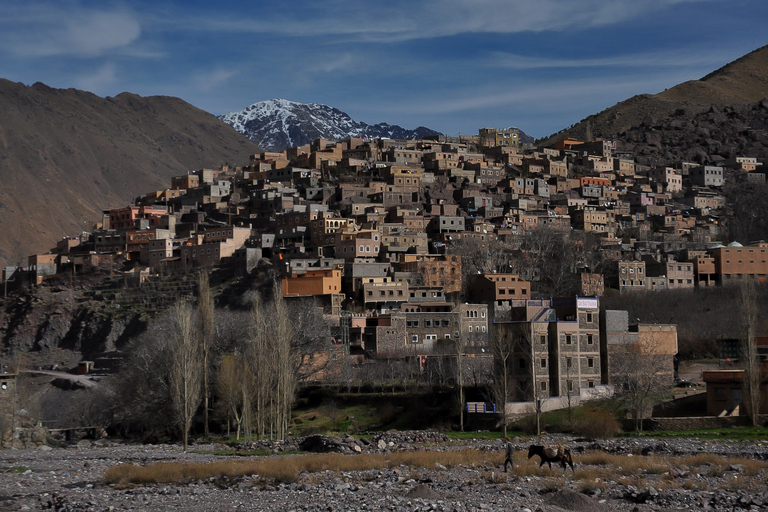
{"type": "Point", "coordinates": [543, 363]}
{"type": "Point", "coordinates": [543, 340]}
{"type": "Point", "coordinates": [589, 318]}
{"type": "Point", "coordinates": [415, 338]}
{"type": "Point", "coordinates": [590, 340]}
{"type": "Point", "coordinates": [568, 340]}
{"type": "Point", "coordinates": [570, 386]}
{"type": "Point", "coordinates": [568, 362]}
{"type": "Point", "coordinates": [590, 362]}
{"type": "Point", "coordinates": [543, 385]}
{"type": "Point", "coordinates": [470, 328]}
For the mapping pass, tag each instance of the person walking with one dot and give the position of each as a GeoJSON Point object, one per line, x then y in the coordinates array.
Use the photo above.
{"type": "Point", "coordinates": [510, 454]}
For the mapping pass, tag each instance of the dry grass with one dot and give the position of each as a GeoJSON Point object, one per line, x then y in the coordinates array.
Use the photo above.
{"type": "Point", "coordinates": [594, 469]}
{"type": "Point", "coordinates": [288, 468]}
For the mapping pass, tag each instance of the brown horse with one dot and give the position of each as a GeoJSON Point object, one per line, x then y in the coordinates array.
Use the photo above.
{"type": "Point", "coordinates": [552, 453]}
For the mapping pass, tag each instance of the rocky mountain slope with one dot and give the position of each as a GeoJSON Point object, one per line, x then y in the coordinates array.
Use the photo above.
{"type": "Point", "coordinates": [65, 155]}
{"type": "Point", "coordinates": [279, 124]}
{"type": "Point", "coordinates": [681, 122]}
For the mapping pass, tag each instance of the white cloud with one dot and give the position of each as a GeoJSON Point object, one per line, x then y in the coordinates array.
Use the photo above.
{"type": "Point", "coordinates": [44, 30]}
{"type": "Point", "coordinates": [673, 58]}
{"type": "Point", "coordinates": [546, 95]}
{"type": "Point", "coordinates": [399, 20]}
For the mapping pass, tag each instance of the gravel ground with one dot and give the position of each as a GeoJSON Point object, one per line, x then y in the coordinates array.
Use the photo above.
{"type": "Point", "coordinates": [72, 479]}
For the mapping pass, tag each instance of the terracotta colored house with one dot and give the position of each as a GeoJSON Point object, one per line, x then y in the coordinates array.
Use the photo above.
{"type": "Point", "coordinates": [312, 282]}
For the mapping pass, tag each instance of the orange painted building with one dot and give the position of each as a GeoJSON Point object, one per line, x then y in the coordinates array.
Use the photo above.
{"type": "Point", "coordinates": [593, 180]}
{"type": "Point", "coordinates": [313, 282]}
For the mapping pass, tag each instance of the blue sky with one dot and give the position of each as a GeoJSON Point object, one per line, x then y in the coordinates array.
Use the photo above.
{"type": "Point", "coordinates": [451, 65]}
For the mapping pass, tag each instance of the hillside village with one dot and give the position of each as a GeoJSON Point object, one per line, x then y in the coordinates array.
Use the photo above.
{"type": "Point", "coordinates": [416, 249]}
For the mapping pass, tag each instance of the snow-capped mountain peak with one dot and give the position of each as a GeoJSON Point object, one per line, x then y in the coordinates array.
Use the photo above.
{"type": "Point", "coordinates": [278, 124]}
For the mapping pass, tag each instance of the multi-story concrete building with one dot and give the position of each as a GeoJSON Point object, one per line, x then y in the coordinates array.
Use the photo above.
{"type": "Point", "coordinates": [671, 178]}
{"type": "Point", "coordinates": [435, 269]}
{"type": "Point", "coordinates": [631, 276]}
{"type": "Point", "coordinates": [707, 176]}
{"type": "Point", "coordinates": [679, 275]}
{"type": "Point", "coordinates": [498, 290]}
{"type": "Point", "coordinates": [704, 270]}
{"type": "Point", "coordinates": [556, 347]}
{"type": "Point", "coordinates": [494, 137]}
{"type": "Point", "coordinates": [358, 246]}
{"type": "Point", "coordinates": [384, 293]}
{"type": "Point", "coordinates": [736, 262]}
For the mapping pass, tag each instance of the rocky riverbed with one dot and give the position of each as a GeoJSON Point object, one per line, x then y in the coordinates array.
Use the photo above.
{"type": "Point", "coordinates": [71, 479]}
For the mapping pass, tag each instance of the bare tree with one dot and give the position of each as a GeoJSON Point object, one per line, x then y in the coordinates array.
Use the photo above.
{"type": "Point", "coordinates": [205, 312]}
{"type": "Point", "coordinates": [311, 335]}
{"type": "Point", "coordinates": [234, 386]}
{"type": "Point", "coordinates": [282, 334]}
{"type": "Point", "coordinates": [186, 370]}
{"type": "Point", "coordinates": [502, 386]}
{"type": "Point", "coordinates": [257, 351]}
{"type": "Point", "coordinates": [639, 373]}
{"type": "Point", "coordinates": [459, 350]}
{"type": "Point", "coordinates": [750, 360]}
{"type": "Point", "coordinates": [532, 339]}
{"type": "Point", "coordinates": [273, 358]}
{"type": "Point", "coordinates": [569, 388]}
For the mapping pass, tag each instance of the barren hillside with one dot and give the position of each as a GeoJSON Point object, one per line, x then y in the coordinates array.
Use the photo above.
{"type": "Point", "coordinates": [66, 154]}
{"type": "Point", "coordinates": [736, 89]}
